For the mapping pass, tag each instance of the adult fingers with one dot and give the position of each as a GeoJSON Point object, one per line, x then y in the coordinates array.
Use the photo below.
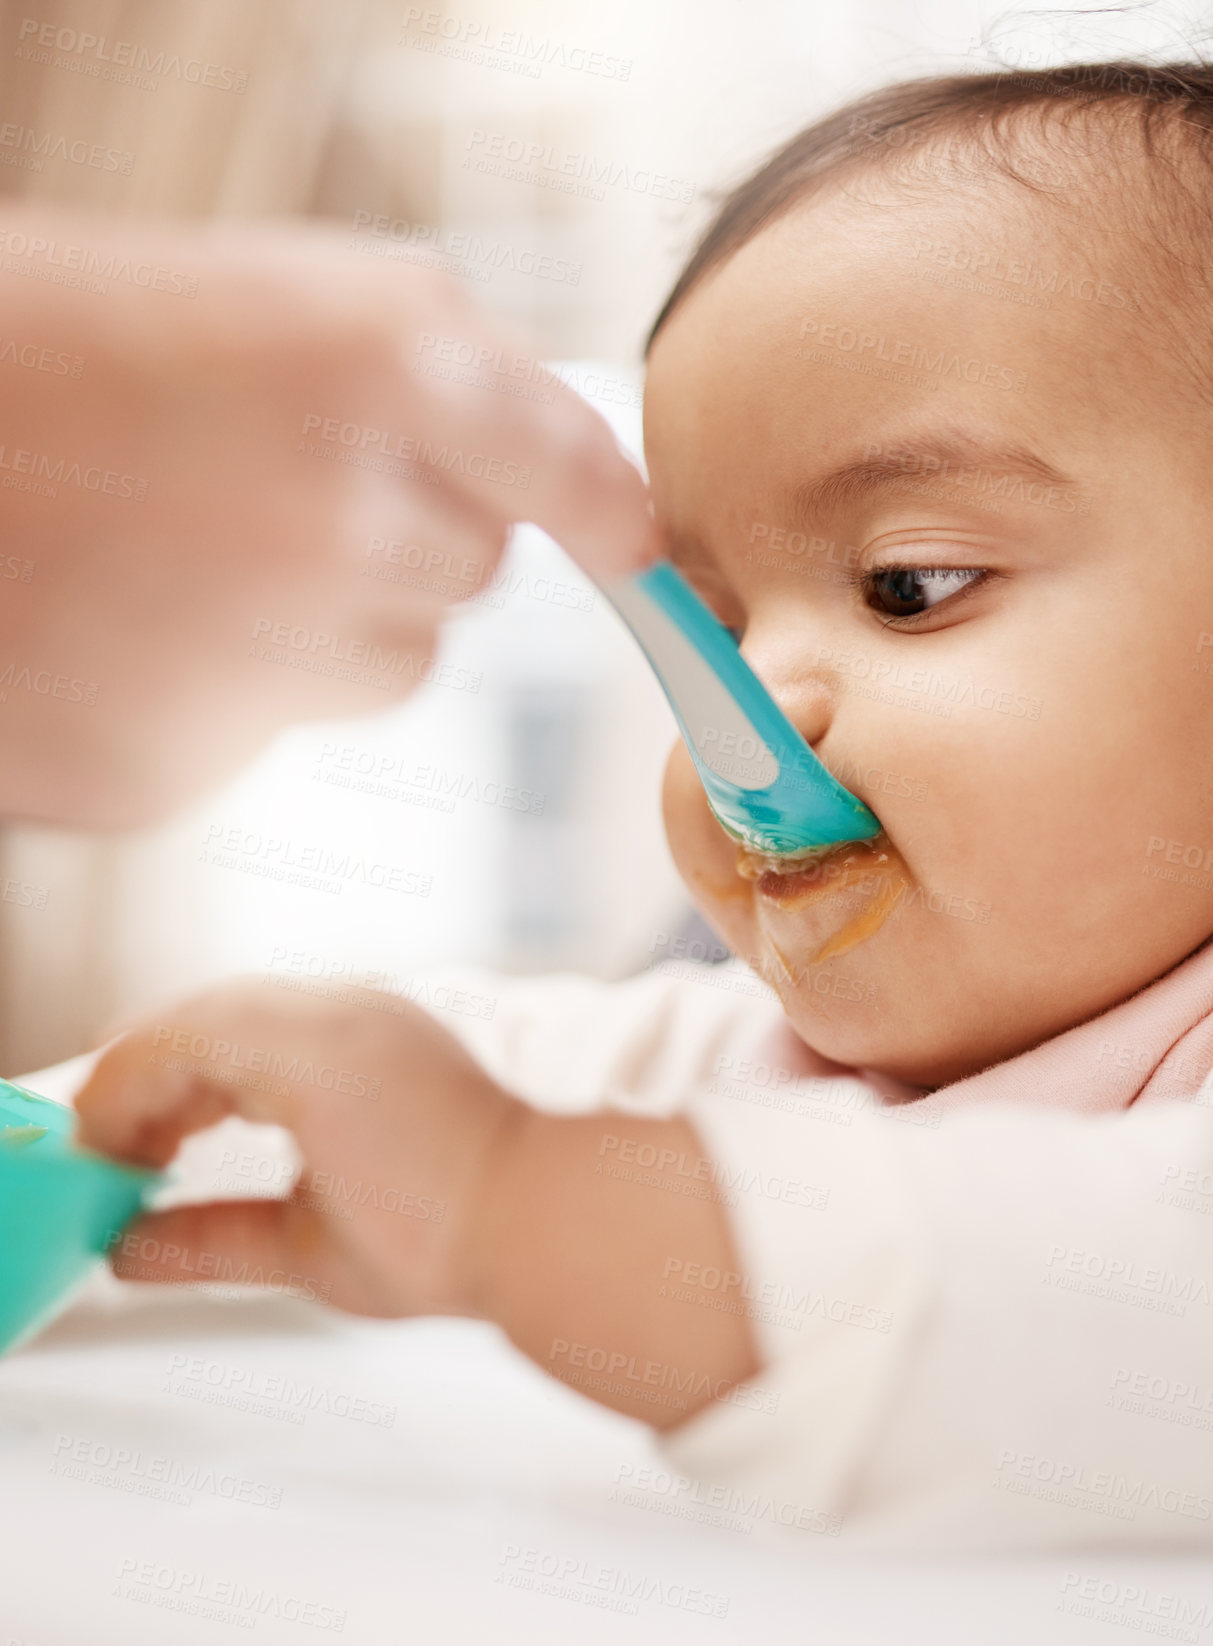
{"type": "Point", "coordinates": [507, 434]}
{"type": "Point", "coordinates": [427, 552]}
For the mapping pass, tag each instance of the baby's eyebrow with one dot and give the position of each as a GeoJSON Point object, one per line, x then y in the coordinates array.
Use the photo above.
{"type": "Point", "coordinates": [882, 467]}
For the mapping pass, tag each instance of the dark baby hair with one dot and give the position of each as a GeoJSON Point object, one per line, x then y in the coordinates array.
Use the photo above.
{"type": "Point", "coordinates": [1015, 125]}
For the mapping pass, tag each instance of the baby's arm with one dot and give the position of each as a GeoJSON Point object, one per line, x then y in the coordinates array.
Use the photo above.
{"type": "Point", "coordinates": [464, 1199]}
{"type": "Point", "coordinates": [572, 1260]}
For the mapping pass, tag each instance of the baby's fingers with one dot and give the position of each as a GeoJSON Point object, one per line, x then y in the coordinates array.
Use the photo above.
{"type": "Point", "coordinates": [279, 1246]}
{"type": "Point", "coordinates": [165, 1079]}
{"type": "Point", "coordinates": [135, 1111]}
{"type": "Point", "coordinates": [273, 1244]}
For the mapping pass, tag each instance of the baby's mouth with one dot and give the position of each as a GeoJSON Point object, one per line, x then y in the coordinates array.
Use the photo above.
{"type": "Point", "coordinates": [865, 877]}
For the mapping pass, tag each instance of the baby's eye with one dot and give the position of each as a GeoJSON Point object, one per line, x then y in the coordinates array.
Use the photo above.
{"type": "Point", "coordinates": [904, 591]}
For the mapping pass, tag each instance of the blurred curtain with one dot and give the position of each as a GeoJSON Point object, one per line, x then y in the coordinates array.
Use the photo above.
{"type": "Point", "coordinates": [227, 107]}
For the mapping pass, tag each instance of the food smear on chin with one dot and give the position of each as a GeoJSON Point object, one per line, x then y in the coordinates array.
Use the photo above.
{"type": "Point", "coordinates": [873, 869]}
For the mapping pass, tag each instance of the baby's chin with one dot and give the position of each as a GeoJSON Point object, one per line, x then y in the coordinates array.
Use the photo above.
{"type": "Point", "coordinates": [864, 979]}
{"type": "Point", "coordinates": [833, 1007]}
{"type": "Point", "coordinates": [834, 1011]}
{"type": "Point", "coordinates": [829, 935]}
{"type": "Point", "coordinates": [865, 1011]}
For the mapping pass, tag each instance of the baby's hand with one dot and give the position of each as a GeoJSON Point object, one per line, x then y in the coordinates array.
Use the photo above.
{"type": "Point", "coordinates": [535, 1235]}
{"type": "Point", "coordinates": [376, 1095]}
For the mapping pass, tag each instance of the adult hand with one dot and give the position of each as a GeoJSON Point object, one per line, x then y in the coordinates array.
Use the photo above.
{"type": "Point", "coordinates": [237, 491]}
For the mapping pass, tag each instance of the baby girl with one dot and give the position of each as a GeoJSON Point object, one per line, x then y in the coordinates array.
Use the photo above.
{"type": "Point", "coordinates": [927, 424]}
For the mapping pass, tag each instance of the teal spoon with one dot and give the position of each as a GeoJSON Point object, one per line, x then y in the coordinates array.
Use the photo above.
{"type": "Point", "coordinates": [61, 1208]}
{"type": "Point", "coordinates": [763, 781]}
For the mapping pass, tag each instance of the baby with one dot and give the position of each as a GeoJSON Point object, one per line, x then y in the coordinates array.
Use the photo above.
{"type": "Point", "coordinates": [927, 423]}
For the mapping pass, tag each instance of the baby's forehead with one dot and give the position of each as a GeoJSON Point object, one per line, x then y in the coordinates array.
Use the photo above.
{"type": "Point", "coordinates": [1105, 226]}
{"type": "Point", "coordinates": [868, 311]}
{"type": "Point", "coordinates": [942, 268]}
{"type": "Point", "coordinates": [1068, 225]}
{"type": "Point", "coordinates": [941, 252]}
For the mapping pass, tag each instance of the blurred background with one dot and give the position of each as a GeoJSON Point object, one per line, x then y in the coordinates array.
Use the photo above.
{"type": "Point", "coordinates": [561, 158]}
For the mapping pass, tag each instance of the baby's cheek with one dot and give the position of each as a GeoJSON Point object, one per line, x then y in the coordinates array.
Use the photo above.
{"type": "Point", "coordinates": [704, 855]}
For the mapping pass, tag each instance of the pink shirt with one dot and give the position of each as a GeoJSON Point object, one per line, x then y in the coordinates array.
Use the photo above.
{"type": "Point", "coordinates": [1157, 1044]}
{"type": "Point", "coordinates": [985, 1316]}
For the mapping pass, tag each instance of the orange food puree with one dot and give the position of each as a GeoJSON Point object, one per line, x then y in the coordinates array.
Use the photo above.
{"type": "Point", "coordinates": [874, 869]}
{"type": "Point", "coordinates": [20, 1137]}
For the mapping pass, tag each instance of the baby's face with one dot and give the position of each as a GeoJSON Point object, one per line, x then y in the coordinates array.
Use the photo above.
{"type": "Point", "coordinates": [967, 543]}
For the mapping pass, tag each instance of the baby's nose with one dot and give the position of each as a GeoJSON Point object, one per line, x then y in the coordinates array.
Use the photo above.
{"type": "Point", "coordinates": [803, 689]}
